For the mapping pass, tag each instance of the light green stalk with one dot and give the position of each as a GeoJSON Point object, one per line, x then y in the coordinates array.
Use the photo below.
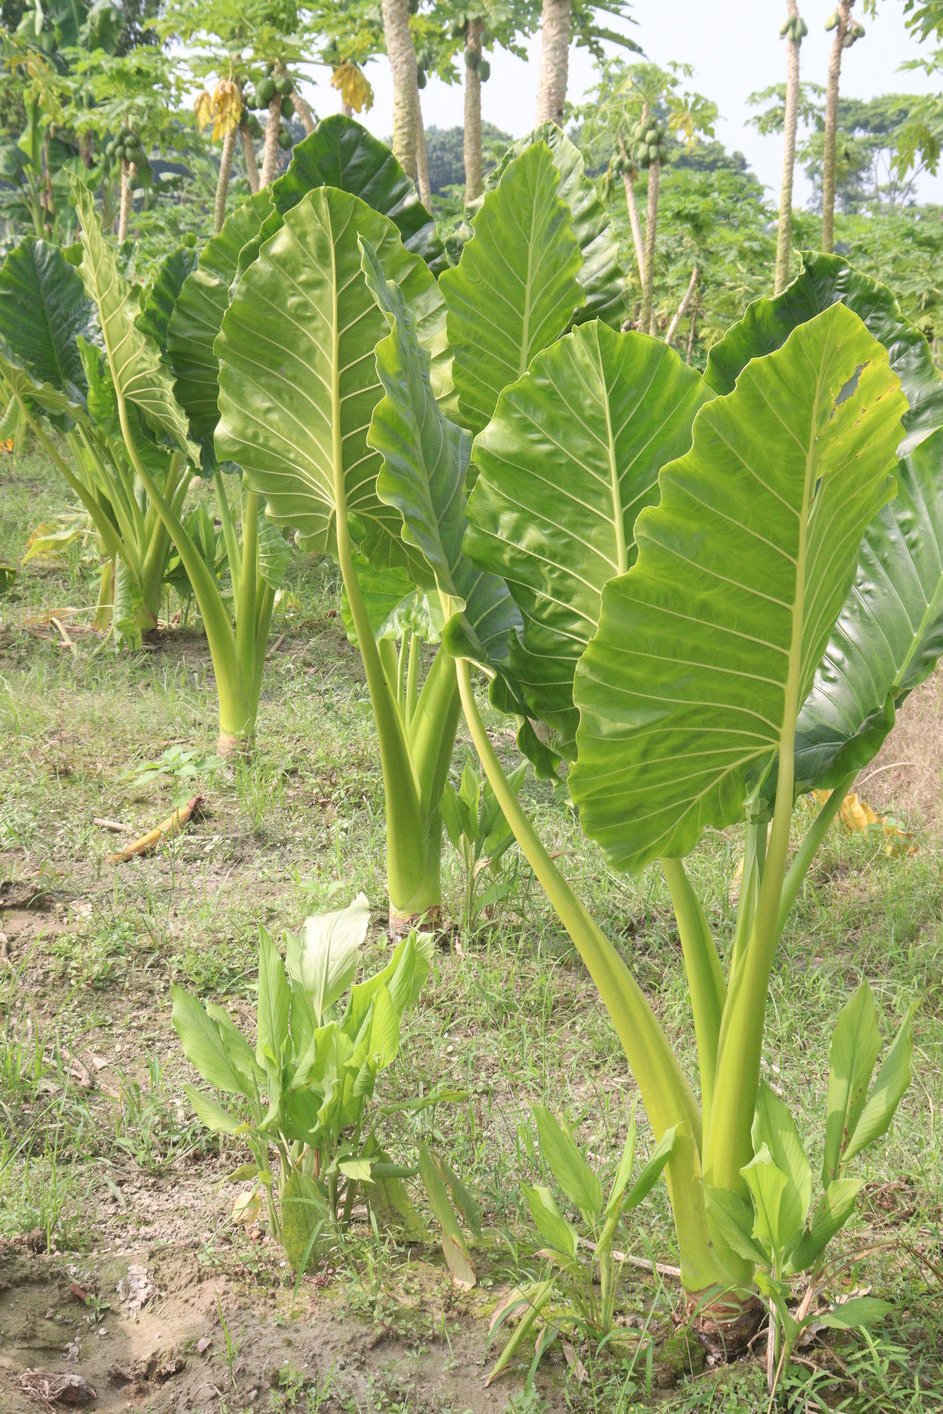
{"type": "Point", "coordinates": [665, 1092]}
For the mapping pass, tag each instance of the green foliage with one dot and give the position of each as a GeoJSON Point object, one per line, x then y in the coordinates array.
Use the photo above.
{"type": "Point", "coordinates": [301, 1097]}
{"type": "Point", "coordinates": [478, 831]}
{"type": "Point", "coordinates": [576, 1298]}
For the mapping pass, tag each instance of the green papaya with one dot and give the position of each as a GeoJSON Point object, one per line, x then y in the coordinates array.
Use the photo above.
{"type": "Point", "coordinates": [420, 78]}
{"type": "Point", "coordinates": [248, 96]}
{"type": "Point", "coordinates": [472, 58]}
{"type": "Point", "coordinates": [832, 21]}
{"type": "Point", "coordinates": [283, 85]}
{"type": "Point", "coordinates": [284, 138]}
{"type": "Point", "coordinates": [484, 71]}
{"type": "Point", "coordinates": [653, 152]}
{"type": "Point", "coordinates": [110, 148]}
{"type": "Point", "coordinates": [288, 108]}
{"type": "Point", "coordinates": [265, 91]}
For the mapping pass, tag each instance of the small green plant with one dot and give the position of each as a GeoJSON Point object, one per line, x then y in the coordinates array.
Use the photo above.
{"type": "Point", "coordinates": [775, 1225]}
{"type": "Point", "coordinates": [576, 1299]}
{"type": "Point", "coordinates": [476, 826]}
{"type": "Point", "coordinates": [303, 1093]}
{"type": "Point", "coordinates": [178, 767]}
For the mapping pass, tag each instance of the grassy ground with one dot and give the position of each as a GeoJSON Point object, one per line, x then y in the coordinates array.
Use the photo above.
{"type": "Point", "coordinates": [104, 1169]}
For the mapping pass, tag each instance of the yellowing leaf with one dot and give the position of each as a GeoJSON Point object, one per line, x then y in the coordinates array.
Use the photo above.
{"type": "Point", "coordinates": [858, 817]}
{"type": "Point", "coordinates": [203, 110]}
{"type": "Point", "coordinates": [354, 87]}
{"type": "Point", "coordinates": [6, 447]}
{"type": "Point", "coordinates": [227, 108]}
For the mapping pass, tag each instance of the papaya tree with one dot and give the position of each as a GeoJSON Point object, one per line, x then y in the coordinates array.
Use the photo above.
{"type": "Point", "coordinates": [846, 32]}
{"type": "Point", "coordinates": [793, 31]}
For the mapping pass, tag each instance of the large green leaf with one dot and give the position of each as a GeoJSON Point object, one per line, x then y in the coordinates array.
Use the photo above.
{"type": "Point", "coordinates": [707, 648]}
{"type": "Point", "coordinates": [601, 275]}
{"type": "Point", "coordinates": [163, 293]}
{"type": "Point", "coordinates": [563, 470]}
{"type": "Point", "coordinates": [826, 280]}
{"type": "Point", "coordinates": [890, 633]}
{"type": "Point", "coordinates": [43, 309]}
{"type": "Point", "coordinates": [134, 360]}
{"type": "Point", "coordinates": [298, 379]}
{"type": "Point", "coordinates": [425, 461]}
{"type": "Point", "coordinates": [342, 154]}
{"type": "Point", "coordinates": [515, 289]}
{"type": "Point", "coordinates": [198, 314]}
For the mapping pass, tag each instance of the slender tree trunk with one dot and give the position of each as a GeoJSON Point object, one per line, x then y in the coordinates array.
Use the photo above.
{"type": "Point", "coordinates": [248, 152]}
{"type": "Point", "coordinates": [628, 182]}
{"type": "Point", "coordinates": [646, 321]}
{"type": "Point", "coordinates": [790, 124]}
{"type": "Point", "coordinates": [85, 149]}
{"type": "Point", "coordinates": [555, 23]}
{"type": "Point", "coordinates": [124, 207]}
{"type": "Point", "coordinates": [270, 146]}
{"type": "Point", "coordinates": [422, 158]}
{"type": "Point", "coordinates": [474, 179]}
{"type": "Point", "coordinates": [831, 124]}
{"type": "Point", "coordinates": [402, 57]}
{"type": "Point", "coordinates": [222, 181]}
{"type": "Point", "coordinates": [683, 307]}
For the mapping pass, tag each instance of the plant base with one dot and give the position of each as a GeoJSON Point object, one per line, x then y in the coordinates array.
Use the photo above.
{"type": "Point", "coordinates": [233, 747]}
{"type": "Point", "coordinates": [399, 925]}
{"type": "Point", "coordinates": [725, 1325]}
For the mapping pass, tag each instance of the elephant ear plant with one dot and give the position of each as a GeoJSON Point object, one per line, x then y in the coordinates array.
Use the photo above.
{"type": "Point", "coordinates": [299, 393]}
{"type": "Point", "coordinates": [722, 598]}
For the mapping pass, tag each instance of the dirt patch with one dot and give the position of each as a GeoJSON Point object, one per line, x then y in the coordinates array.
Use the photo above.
{"type": "Point", "coordinates": [172, 1331]}
{"type": "Point", "coordinates": [906, 779]}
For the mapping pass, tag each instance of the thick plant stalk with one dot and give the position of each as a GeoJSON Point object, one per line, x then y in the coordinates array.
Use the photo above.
{"type": "Point", "coordinates": [646, 321]}
{"type": "Point", "coordinates": [270, 145]}
{"type": "Point", "coordinates": [683, 307]}
{"type": "Point", "coordinates": [248, 153]}
{"type": "Point", "coordinates": [222, 181]}
{"type": "Point", "coordinates": [474, 166]}
{"type": "Point", "coordinates": [555, 24]}
{"type": "Point", "coordinates": [665, 1092]}
{"type": "Point", "coordinates": [124, 208]}
{"type": "Point", "coordinates": [831, 124]}
{"type": "Point", "coordinates": [402, 56]}
{"type": "Point", "coordinates": [790, 125]}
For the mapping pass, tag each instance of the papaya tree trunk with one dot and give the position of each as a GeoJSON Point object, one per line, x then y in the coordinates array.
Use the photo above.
{"type": "Point", "coordinates": [555, 24]}
{"type": "Point", "coordinates": [628, 183]}
{"type": "Point", "coordinates": [646, 321]}
{"type": "Point", "coordinates": [422, 158]}
{"type": "Point", "coordinates": [270, 146]}
{"type": "Point", "coordinates": [248, 152]}
{"type": "Point", "coordinates": [303, 112]}
{"type": "Point", "coordinates": [474, 177]}
{"type": "Point", "coordinates": [222, 181]}
{"type": "Point", "coordinates": [402, 57]}
{"type": "Point", "coordinates": [790, 125]}
{"type": "Point", "coordinates": [842, 29]}
{"type": "Point", "coordinates": [124, 206]}
{"type": "Point", "coordinates": [683, 307]}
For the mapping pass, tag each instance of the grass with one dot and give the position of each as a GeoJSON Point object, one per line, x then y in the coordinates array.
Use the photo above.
{"type": "Point", "coordinates": [511, 1019]}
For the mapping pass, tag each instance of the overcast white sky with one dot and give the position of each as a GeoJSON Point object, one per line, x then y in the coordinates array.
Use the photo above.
{"type": "Point", "coordinates": [734, 48]}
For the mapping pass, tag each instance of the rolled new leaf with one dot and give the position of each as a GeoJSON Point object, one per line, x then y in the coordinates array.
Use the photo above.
{"type": "Point", "coordinates": [707, 648]}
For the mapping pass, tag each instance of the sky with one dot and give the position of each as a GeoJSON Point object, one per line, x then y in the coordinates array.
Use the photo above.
{"type": "Point", "coordinates": [734, 48]}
